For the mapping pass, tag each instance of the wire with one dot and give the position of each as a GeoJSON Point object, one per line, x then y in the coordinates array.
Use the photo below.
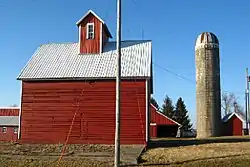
{"type": "Point", "coordinates": [178, 75]}
{"type": "Point", "coordinates": [134, 2]}
{"type": "Point", "coordinates": [189, 80]}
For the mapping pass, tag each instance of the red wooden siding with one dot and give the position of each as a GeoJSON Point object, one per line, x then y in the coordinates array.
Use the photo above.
{"type": "Point", "coordinates": [159, 119]}
{"type": "Point", "coordinates": [9, 135]}
{"type": "Point", "coordinates": [9, 111]}
{"type": "Point", "coordinates": [153, 131]}
{"type": "Point", "coordinates": [90, 45]}
{"type": "Point", "coordinates": [156, 120]}
{"type": "Point", "coordinates": [48, 109]}
{"type": "Point", "coordinates": [233, 127]}
{"type": "Point", "coordinates": [237, 126]}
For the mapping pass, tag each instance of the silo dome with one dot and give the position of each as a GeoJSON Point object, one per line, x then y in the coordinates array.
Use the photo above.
{"type": "Point", "coordinates": [207, 39]}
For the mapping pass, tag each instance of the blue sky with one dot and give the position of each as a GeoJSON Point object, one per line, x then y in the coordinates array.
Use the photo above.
{"type": "Point", "coordinates": [172, 25]}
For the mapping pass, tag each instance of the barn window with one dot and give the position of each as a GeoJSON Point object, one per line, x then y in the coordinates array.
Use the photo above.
{"type": "Point", "coordinates": [4, 129]}
{"type": "Point", "coordinates": [15, 129]}
{"type": "Point", "coordinates": [90, 31]}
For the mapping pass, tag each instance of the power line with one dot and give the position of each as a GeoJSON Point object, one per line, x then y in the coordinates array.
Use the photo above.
{"type": "Point", "coordinates": [134, 2]}
{"type": "Point", "coordinates": [176, 74]}
{"type": "Point", "coordinates": [189, 80]}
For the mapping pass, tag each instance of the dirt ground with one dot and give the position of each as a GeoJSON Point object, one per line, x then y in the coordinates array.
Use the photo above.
{"type": "Point", "coordinates": [36, 155]}
{"type": "Point", "coordinates": [219, 152]}
{"type": "Point", "coordinates": [39, 155]}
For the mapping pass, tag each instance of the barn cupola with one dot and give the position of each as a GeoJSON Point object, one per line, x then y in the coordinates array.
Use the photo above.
{"type": "Point", "coordinates": [93, 33]}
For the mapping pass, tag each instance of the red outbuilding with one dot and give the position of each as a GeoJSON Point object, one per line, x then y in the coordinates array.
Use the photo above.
{"type": "Point", "coordinates": [161, 125]}
{"type": "Point", "coordinates": [233, 124]}
{"type": "Point", "coordinates": [9, 122]}
{"type": "Point", "coordinates": [73, 84]}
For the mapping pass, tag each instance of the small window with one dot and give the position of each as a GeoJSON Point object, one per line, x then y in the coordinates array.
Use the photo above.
{"type": "Point", "coordinates": [4, 129]}
{"type": "Point", "coordinates": [15, 129]}
{"type": "Point", "coordinates": [90, 31]}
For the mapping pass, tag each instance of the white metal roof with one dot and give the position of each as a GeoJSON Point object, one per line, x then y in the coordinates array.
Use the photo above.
{"type": "Point", "coordinates": [9, 120]}
{"type": "Point", "coordinates": [63, 61]}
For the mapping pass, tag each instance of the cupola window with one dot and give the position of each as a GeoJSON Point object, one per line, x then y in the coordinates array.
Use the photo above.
{"type": "Point", "coordinates": [90, 31]}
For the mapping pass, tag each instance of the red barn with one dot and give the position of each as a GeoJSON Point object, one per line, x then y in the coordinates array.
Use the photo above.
{"type": "Point", "coordinates": [233, 124]}
{"type": "Point", "coordinates": [74, 84]}
{"type": "Point", "coordinates": [9, 122]}
{"type": "Point", "coordinates": [161, 125]}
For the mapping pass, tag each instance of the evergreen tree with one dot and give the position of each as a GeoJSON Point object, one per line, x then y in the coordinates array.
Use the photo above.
{"type": "Point", "coordinates": [181, 115]}
{"type": "Point", "coordinates": [154, 102]}
{"type": "Point", "coordinates": [167, 107]}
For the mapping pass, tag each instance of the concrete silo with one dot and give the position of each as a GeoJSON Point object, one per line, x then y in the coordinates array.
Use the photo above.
{"type": "Point", "coordinates": [208, 93]}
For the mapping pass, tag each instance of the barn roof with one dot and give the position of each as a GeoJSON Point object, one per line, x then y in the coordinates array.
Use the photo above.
{"type": "Point", "coordinates": [160, 113]}
{"type": "Point", "coordinates": [9, 120]}
{"type": "Point", "coordinates": [241, 116]}
{"type": "Point", "coordinates": [63, 62]}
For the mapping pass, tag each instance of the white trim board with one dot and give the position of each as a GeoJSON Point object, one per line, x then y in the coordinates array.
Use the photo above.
{"type": "Point", "coordinates": [10, 107]}
{"type": "Point", "coordinates": [237, 115]}
{"type": "Point", "coordinates": [80, 33]}
{"type": "Point", "coordinates": [90, 11]}
{"type": "Point", "coordinates": [20, 111]}
{"type": "Point", "coordinates": [101, 36]}
{"type": "Point", "coordinates": [87, 32]}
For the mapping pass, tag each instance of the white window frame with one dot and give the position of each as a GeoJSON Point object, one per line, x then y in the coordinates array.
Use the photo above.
{"type": "Point", "coordinates": [16, 130]}
{"type": "Point", "coordinates": [87, 33]}
{"type": "Point", "coordinates": [3, 129]}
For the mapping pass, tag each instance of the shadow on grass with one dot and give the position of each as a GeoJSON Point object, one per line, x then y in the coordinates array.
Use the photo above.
{"type": "Point", "coordinates": [187, 142]}
{"type": "Point", "coordinates": [143, 162]}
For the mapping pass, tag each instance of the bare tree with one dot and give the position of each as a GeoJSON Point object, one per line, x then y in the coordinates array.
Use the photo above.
{"type": "Point", "coordinates": [230, 103]}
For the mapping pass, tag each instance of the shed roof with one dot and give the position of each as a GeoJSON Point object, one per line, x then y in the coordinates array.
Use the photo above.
{"type": "Point", "coordinates": [63, 62]}
{"type": "Point", "coordinates": [240, 115]}
{"type": "Point", "coordinates": [160, 113]}
{"type": "Point", "coordinates": [9, 120]}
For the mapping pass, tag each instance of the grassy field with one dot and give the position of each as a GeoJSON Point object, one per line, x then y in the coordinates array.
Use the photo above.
{"type": "Point", "coordinates": [214, 152]}
{"type": "Point", "coordinates": [224, 154]}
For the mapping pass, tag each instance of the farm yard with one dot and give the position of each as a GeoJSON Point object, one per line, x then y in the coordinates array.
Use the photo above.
{"type": "Point", "coordinates": [224, 151]}
{"type": "Point", "coordinates": [88, 97]}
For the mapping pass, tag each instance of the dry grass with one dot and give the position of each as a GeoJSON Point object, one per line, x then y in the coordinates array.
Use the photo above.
{"type": "Point", "coordinates": [44, 149]}
{"type": "Point", "coordinates": [238, 161]}
{"type": "Point", "coordinates": [36, 161]}
{"type": "Point", "coordinates": [176, 155]}
{"type": "Point", "coordinates": [217, 154]}
{"type": "Point", "coordinates": [39, 155]}
{"type": "Point", "coordinates": [47, 155]}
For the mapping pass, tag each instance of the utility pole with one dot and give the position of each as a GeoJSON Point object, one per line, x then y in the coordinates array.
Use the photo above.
{"type": "Point", "coordinates": [247, 100]}
{"type": "Point", "coordinates": [118, 80]}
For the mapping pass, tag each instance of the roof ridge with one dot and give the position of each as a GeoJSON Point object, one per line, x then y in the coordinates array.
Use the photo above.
{"type": "Point", "coordinates": [134, 40]}
{"type": "Point", "coordinates": [59, 43]}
